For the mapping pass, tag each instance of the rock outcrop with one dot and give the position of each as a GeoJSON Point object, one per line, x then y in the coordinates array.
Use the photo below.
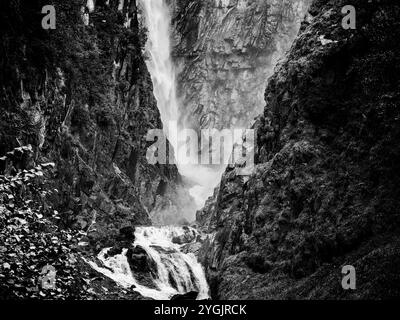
{"type": "Point", "coordinates": [226, 50]}
{"type": "Point", "coordinates": [325, 190]}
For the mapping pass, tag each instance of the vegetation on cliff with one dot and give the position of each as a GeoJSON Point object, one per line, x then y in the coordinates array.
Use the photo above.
{"type": "Point", "coordinates": [81, 97]}
{"type": "Point", "coordinates": [325, 189]}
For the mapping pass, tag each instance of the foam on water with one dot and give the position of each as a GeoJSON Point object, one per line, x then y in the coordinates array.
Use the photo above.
{"type": "Point", "coordinates": [184, 269]}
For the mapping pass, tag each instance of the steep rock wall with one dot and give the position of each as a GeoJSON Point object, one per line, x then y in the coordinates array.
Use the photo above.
{"type": "Point", "coordinates": [81, 95]}
{"type": "Point", "coordinates": [225, 52]}
{"type": "Point", "coordinates": [325, 192]}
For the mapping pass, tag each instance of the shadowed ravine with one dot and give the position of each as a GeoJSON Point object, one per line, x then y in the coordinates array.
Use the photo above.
{"type": "Point", "coordinates": [94, 91]}
{"type": "Point", "coordinates": [164, 270]}
{"type": "Point", "coordinates": [168, 271]}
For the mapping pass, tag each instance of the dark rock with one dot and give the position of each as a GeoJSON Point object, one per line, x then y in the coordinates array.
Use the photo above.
{"type": "Point", "coordinates": [143, 267]}
{"type": "Point", "coordinates": [114, 251]}
{"type": "Point", "coordinates": [324, 192]}
{"type": "Point", "coordinates": [186, 296]}
{"type": "Point", "coordinates": [140, 262]}
{"type": "Point", "coordinates": [172, 281]}
{"type": "Point", "coordinates": [127, 233]}
{"type": "Point", "coordinates": [257, 263]}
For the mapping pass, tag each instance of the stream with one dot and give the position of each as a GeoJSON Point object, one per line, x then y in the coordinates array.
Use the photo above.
{"type": "Point", "coordinates": [173, 272]}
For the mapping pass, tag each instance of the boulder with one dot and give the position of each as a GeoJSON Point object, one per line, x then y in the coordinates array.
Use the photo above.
{"type": "Point", "coordinates": [140, 262]}
{"type": "Point", "coordinates": [188, 237]}
{"type": "Point", "coordinates": [127, 233]}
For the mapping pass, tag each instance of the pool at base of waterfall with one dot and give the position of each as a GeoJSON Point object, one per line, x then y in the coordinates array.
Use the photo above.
{"type": "Point", "coordinates": [155, 266]}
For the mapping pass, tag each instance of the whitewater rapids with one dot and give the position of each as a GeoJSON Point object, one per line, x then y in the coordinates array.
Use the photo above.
{"type": "Point", "coordinates": [183, 269]}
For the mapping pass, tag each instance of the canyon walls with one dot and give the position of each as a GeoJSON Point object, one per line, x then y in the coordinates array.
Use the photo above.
{"type": "Point", "coordinates": [324, 192]}
{"type": "Point", "coordinates": [225, 52]}
{"type": "Point", "coordinates": [82, 96]}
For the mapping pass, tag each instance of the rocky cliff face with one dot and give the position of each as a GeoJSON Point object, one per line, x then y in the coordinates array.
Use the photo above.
{"type": "Point", "coordinates": [226, 51]}
{"type": "Point", "coordinates": [324, 192]}
{"type": "Point", "coordinates": [81, 95]}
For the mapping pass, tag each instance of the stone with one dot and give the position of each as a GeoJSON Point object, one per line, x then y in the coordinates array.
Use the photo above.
{"type": "Point", "coordinates": [140, 262]}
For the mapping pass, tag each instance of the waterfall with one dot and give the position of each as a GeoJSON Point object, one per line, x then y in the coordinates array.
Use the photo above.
{"type": "Point", "coordinates": [157, 16]}
{"type": "Point", "coordinates": [155, 266]}
{"type": "Point", "coordinates": [174, 272]}
{"type": "Point", "coordinates": [158, 21]}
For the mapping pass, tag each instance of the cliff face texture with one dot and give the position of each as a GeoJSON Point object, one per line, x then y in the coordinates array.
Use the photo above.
{"type": "Point", "coordinates": [226, 51]}
{"type": "Point", "coordinates": [324, 192]}
{"type": "Point", "coordinates": [81, 95]}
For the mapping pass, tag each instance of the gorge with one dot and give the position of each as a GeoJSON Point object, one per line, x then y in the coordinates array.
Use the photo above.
{"type": "Point", "coordinates": [157, 18]}
{"type": "Point", "coordinates": [79, 194]}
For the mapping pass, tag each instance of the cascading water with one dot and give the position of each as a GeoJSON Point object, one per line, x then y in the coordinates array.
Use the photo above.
{"type": "Point", "coordinates": [167, 270]}
{"type": "Point", "coordinates": [175, 272]}
{"type": "Point", "coordinates": [157, 17]}
{"type": "Point", "coordinates": [160, 65]}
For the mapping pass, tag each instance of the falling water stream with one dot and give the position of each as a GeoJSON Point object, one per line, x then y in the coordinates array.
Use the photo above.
{"type": "Point", "coordinates": [157, 16]}
{"type": "Point", "coordinates": [176, 272]}
{"type": "Point", "coordinates": [158, 22]}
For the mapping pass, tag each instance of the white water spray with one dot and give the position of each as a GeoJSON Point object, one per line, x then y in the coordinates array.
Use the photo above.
{"type": "Point", "coordinates": [160, 65]}
{"type": "Point", "coordinates": [176, 272]}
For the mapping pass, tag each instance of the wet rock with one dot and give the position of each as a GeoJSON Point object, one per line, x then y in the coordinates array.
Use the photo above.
{"type": "Point", "coordinates": [191, 248]}
{"type": "Point", "coordinates": [227, 51]}
{"type": "Point", "coordinates": [189, 236]}
{"type": "Point", "coordinates": [127, 234]}
{"type": "Point", "coordinates": [140, 262]}
{"type": "Point", "coordinates": [186, 296]}
{"type": "Point", "coordinates": [114, 251]}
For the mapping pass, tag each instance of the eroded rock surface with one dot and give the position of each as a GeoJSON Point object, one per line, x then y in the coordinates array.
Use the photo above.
{"type": "Point", "coordinates": [324, 192]}
{"type": "Point", "coordinates": [226, 50]}
{"type": "Point", "coordinates": [81, 95]}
